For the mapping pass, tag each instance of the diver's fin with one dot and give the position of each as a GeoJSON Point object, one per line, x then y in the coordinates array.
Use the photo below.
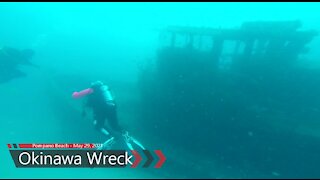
{"type": "Point", "coordinates": [130, 146]}
{"type": "Point", "coordinates": [138, 143]}
{"type": "Point", "coordinates": [107, 145]}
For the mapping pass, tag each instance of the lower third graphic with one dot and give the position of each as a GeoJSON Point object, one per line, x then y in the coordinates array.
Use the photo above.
{"type": "Point", "coordinates": [81, 155]}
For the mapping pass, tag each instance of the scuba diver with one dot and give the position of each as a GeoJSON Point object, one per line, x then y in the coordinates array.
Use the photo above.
{"type": "Point", "coordinates": [104, 107]}
{"type": "Point", "coordinates": [102, 103]}
{"type": "Point", "coordinates": [10, 59]}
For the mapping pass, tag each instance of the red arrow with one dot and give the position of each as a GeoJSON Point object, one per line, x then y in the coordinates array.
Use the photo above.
{"type": "Point", "coordinates": [162, 159]}
{"type": "Point", "coordinates": [137, 158]}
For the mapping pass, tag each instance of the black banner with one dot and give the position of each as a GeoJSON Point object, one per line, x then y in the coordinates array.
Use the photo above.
{"type": "Point", "coordinates": [71, 158]}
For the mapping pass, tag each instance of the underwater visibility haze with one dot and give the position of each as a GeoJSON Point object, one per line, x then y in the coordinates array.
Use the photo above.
{"type": "Point", "coordinates": [224, 90]}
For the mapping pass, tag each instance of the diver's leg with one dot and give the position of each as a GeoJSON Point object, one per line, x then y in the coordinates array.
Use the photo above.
{"type": "Point", "coordinates": [121, 136]}
{"type": "Point", "coordinates": [121, 133]}
{"type": "Point", "coordinates": [113, 119]}
{"type": "Point", "coordinates": [99, 124]}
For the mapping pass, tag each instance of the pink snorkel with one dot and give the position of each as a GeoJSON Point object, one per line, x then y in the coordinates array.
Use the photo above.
{"type": "Point", "coordinates": [82, 93]}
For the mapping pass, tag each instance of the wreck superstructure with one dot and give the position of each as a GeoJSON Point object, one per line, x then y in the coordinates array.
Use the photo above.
{"type": "Point", "coordinates": [253, 40]}
{"type": "Point", "coordinates": [238, 94]}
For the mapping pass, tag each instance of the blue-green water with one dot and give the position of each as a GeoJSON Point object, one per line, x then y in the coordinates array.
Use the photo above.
{"type": "Point", "coordinates": [243, 126]}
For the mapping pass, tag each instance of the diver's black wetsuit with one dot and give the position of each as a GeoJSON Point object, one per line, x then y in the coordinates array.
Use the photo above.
{"type": "Point", "coordinates": [10, 59]}
{"type": "Point", "coordinates": [104, 107]}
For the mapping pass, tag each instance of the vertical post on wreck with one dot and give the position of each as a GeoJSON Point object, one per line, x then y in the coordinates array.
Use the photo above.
{"type": "Point", "coordinates": [248, 47]}
{"type": "Point", "coordinates": [217, 49]}
{"type": "Point", "coordinates": [236, 48]}
{"type": "Point", "coordinates": [190, 43]}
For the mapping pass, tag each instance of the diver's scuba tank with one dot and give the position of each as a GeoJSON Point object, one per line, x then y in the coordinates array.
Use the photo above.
{"type": "Point", "coordinates": [106, 93]}
{"type": "Point", "coordinates": [104, 89]}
